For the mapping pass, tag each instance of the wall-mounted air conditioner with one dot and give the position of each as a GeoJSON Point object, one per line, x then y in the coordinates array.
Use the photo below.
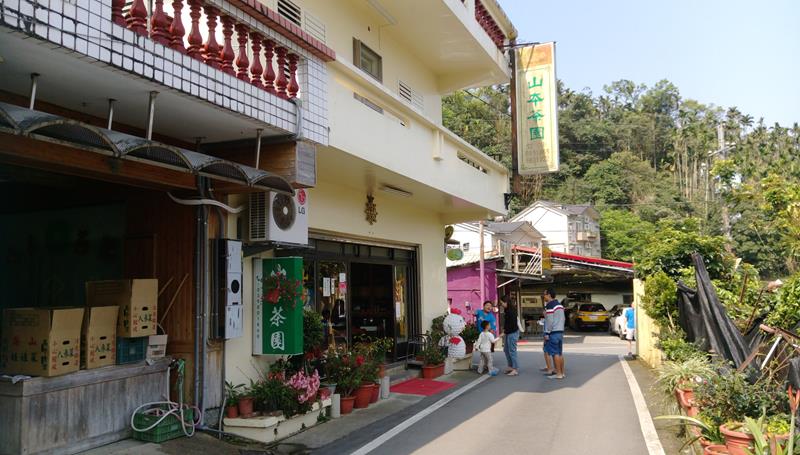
{"type": "Point", "coordinates": [276, 217]}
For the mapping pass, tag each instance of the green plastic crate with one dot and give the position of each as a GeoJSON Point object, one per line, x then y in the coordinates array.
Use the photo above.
{"type": "Point", "coordinates": [130, 350]}
{"type": "Point", "coordinates": [169, 428]}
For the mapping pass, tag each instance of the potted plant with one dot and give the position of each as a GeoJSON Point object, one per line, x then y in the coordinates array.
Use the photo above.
{"type": "Point", "coordinates": [679, 379]}
{"type": "Point", "coordinates": [341, 368]}
{"type": "Point", "coordinates": [470, 336]}
{"type": "Point", "coordinates": [738, 438]}
{"type": "Point", "coordinates": [381, 347]}
{"type": "Point", "coordinates": [246, 401]}
{"type": "Point", "coordinates": [232, 394]}
{"type": "Point", "coordinates": [715, 449]}
{"type": "Point", "coordinates": [704, 430]}
{"type": "Point", "coordinates": [366, 374]}
{"type": "Point", "coordinates": [433, 359]}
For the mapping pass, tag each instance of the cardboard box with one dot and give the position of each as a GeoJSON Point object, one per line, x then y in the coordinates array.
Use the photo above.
{"type": "Point", "coordinates": [157, 347]}
{"type": "Point", "coordinates": [41, 342]}
{"type": "Point", "coordinates": [137, 300]}
{"type": "Point", "coordinates": [99, 337]}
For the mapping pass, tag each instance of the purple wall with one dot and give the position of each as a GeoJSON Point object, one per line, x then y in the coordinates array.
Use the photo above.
{"type": "Point", "coordinates": [463, 287]}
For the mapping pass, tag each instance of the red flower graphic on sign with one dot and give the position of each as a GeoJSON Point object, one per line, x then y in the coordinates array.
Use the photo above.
{"type": "Point", "coordinates": [301, 196]}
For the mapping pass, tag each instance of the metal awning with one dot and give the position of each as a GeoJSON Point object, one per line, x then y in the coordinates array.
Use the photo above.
{"type": "Point", "coordinates": [48, 127]}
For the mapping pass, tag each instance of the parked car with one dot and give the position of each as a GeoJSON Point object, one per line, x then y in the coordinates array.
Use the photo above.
{"type": "Point", "coordinates": [587, 315]}
{"type": "Point", "coordinates": [616, 321]}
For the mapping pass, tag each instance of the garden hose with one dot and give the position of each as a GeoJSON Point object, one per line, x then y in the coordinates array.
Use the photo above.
{"type": "Point", "coordinates": [165, 409]}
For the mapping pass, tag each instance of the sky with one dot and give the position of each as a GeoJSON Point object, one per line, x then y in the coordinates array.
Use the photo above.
{"type": "Point", "coordinates": [727, 53]}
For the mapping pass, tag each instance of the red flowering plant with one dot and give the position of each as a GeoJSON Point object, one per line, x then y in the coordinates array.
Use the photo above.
{"type": "Point", "coordinates": [343, 368]}
{"type": "Point", "coordinates": [279, 288]}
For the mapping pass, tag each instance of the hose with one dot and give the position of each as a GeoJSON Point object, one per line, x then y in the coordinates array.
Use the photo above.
{"type": "Point", "coordinates": [165, 409]}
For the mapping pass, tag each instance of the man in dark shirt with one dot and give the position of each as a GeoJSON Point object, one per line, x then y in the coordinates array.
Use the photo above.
{"type": "Point", "coordinates": [510, 335]}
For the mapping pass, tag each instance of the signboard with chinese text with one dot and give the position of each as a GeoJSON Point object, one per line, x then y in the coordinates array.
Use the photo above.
{"type": "Point", "coordinates": [537, 109]}
{"type": "Point", "coordinates": [277, 327]}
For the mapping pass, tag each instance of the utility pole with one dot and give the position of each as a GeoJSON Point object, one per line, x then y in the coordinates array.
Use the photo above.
{"type": "Point", "coordinates": [482, 270]}
{"type": "Point", "coordinates": [515, 179]}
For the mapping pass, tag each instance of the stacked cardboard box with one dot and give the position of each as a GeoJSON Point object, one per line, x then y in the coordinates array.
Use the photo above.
{"type": "Point", "coordinates": [41, 341]}
{"type": "Point", "coordinates": [99, 336]}
{"type": "Point", "coordinates": [137, 300]}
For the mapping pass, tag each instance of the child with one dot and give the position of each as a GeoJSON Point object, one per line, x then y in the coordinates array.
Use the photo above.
{"type": "Point", "coordinates": [484, 343]}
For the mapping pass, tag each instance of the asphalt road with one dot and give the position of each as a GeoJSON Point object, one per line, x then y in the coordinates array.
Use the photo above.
{"type": "Point", "coordinates": [589, 412]}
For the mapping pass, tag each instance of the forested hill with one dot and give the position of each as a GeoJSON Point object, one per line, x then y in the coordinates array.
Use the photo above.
{"type": "Point", "coordinates": [650, 160]}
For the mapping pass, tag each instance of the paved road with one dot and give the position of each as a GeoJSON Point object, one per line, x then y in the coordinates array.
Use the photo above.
{"type": "Point", "coordinates": [589, 412]}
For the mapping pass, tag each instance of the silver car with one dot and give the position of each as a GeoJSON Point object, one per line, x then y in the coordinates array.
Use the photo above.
{"type": "Point", "coordinates": [617, 325]}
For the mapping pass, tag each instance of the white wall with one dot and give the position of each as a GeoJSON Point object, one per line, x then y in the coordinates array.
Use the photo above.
{"type": "Point", "coordinates": [551, 224]}
{"type": "Point", "coordinates": [334, 208]}
{"type": "Point", "coordinates": [608, 300]}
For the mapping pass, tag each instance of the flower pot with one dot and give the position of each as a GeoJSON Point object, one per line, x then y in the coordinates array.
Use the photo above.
{"type": "Point", "coordinates": [432, 371]}
{"type": "Point", "coordinates": [232, 412]}
{"type": "Point", "coordinates": [330, 387]}
{"type": "Point", "coordinates": [382, 371]}
{"type": "Point", "coordinates": [246, 406]}
{"type": "Point", "coordinates": [685, 397]}
{"type": "Point", "coordinates": [346, 404]}
{"type": "Point", "coordinates": [715, 449]}
{"type": "Point", "coordinates": [376, 393]}
{"type": "Point", "coordinates": [363, 394]}
{"type": "Point", "coordinates": [737, 442]}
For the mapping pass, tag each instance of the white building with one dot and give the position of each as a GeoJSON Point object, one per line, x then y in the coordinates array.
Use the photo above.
{"type": "Point", "coordinates": [572, 229]}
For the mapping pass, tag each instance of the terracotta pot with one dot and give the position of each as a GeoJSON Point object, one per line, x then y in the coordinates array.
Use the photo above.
{"type": "Point", "coordinates": [382, 371]}
{"type": "Point", "coordinates": [432, 371]}
{"type": "Point", "coordinates": [685, 397]}
{"type": "Point", "coordinates": [346, 404]}
{"type": "Point", "coordinates": [246, 406]}
{"type": "Point", "coordinates": [737, 442]}
{"type": "Point", "coordinates": [376, 393]}
{"type": "Point", "coordinates": [715, 449]}
{"type": "Point", "coordinates": [232, 412]}
{"type": "Point", "coordinates": [363, 394]}
{"type": "Point", "coordinates": [704, 442]}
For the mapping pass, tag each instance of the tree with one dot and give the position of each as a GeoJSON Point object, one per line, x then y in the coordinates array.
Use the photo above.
{"type": "Point", "coordinates": [624, 234]}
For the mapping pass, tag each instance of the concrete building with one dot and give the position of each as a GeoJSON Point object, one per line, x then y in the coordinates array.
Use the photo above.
{"type": "Point", "coordinates": [207, 119]}
{"type": "Point", "coordinates": [571, 229]}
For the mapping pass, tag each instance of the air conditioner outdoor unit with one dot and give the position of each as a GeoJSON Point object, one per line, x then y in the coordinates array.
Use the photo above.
{"type": "Point", "coordinates": [276, 217]}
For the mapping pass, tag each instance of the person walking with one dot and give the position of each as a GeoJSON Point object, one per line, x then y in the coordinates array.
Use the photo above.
{"type": "Point", "coordinates": [548, 361]}
{"type": "Point", "coordinates": [487, 314]}
{"type": "Point", "coordinates": [554, 334]}
{"type": "Point", "coordinates": [484, 344]}
{"type": "Point", "coordinates": [510, 336]}
{"type": "Point", "coordinates": [630, 324]}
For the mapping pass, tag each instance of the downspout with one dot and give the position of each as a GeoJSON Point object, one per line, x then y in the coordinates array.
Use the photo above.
{"type": "Point", "coordinates": [206, 302]}
{"type": "Point", "coordinates": [198, 271]}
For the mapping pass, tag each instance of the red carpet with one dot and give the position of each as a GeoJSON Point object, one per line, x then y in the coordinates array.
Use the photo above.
{"type": "Point", "coordinates": [426, 387]}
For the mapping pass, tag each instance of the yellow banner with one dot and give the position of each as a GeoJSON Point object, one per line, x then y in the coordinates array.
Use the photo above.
{"type": "Point", "coordinates": [537, 109]}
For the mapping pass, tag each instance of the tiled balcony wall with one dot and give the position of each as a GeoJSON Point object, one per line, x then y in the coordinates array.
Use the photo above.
{"type": "Point", "coordinates": [211, 59]}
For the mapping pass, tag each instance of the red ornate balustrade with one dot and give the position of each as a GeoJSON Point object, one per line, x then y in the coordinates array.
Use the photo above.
{"type": "Point", "coordinates": [257, 60]}
{"type": "Point", "coordinates": [488, 23]}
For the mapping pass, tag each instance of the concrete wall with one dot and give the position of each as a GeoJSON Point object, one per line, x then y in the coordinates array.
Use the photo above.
{"type": "Point", "coordinates": [337, 209]}
{"type": "Point", "coordinates": [646, 330]}
{"type": "Point", "coordinates": [608, 300]}
{"type": "Point", "coordinates": [463, 288]}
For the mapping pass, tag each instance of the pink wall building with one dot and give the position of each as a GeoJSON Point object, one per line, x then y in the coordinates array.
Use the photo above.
{"type": "Point", "coordinates": [463, 287]}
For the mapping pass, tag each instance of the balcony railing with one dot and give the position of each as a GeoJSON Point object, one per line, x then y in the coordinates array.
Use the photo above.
{"type": "Point", "coordinates": [275, 73]}
{"type": "Point", "coordinates": [488, 24]}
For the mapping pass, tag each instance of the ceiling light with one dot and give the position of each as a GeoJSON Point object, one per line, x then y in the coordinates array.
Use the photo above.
{"type": "Point", "coordinates": [397, 191]}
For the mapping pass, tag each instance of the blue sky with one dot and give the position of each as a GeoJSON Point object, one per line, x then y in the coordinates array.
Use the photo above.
{"type": "Point", "coordinates": [726, 53]}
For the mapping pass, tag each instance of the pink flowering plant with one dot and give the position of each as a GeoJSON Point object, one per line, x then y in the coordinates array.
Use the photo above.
{"type": "Point", "coordinates": [305, 385]}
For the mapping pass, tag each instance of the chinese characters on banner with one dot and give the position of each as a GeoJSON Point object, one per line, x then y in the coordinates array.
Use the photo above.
{"type": "Point", "coordinates": [537, 109]}
{"type": "Point", "coordinates": [278, 328]}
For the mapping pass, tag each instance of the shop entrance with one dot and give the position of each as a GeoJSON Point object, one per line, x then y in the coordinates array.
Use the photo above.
{"type": "Point", "coordinates": [361, 291]}
{"type": "Point", "coordinates": [372, 301]}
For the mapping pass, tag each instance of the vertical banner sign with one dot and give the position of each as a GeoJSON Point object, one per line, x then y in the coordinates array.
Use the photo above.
{"type": "Point", "coordinates": [537, 109]}
{"type": "Point", "coordinates": [277, 327]}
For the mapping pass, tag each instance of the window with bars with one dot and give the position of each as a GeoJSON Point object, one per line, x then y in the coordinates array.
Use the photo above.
{"type": "Point", "coordinates": [291, 12]}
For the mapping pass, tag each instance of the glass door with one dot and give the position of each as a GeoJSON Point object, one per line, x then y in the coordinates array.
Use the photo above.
{"type": "Point", "coordinates": [372, 303]}
{"type": "Point", "coordinates": [331, 290]}
{"type": "Point", "coordinates": [402, 289]}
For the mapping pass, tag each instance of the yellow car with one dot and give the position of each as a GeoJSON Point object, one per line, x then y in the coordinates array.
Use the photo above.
{"type": "Point", "coordinates": [586, 315]}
